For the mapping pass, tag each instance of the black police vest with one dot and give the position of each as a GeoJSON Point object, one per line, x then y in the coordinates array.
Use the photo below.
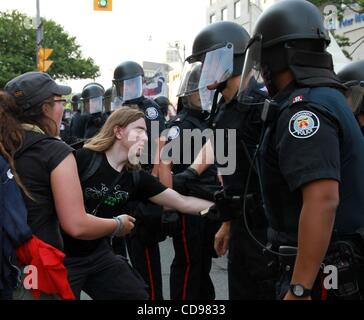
{"type": "Point", "coordinates": [283, 207]}
{"type": "Point", "coordinates": [190, 119]}
{"type": "Point", "coordinates": [94, 123]}
{"type": "Point", "coordinates": [246, 121]}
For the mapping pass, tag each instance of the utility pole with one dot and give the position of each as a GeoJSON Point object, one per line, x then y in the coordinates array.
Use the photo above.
{"type": "Point", "coordinates": [250, 16]}
{"type": "Point", "coordinates": [39, 33]}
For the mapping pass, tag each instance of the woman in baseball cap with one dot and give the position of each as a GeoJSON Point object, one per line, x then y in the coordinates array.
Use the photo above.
{"type": "Point", "coordinates": [47, 166]}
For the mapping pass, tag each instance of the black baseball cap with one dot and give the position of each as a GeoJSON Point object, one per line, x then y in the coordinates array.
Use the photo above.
{"type": "Point", "coordinates": [32, 88]}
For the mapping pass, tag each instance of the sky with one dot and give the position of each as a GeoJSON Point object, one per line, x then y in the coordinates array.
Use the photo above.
{"type": "Point", "coordinates": [137, 30]}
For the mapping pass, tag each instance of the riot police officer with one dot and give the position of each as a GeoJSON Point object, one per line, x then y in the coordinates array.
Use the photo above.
{"type": "Point", "coordinates": [144, 252]}
{"type": "Point", "coordinates": [193, 237]}
{"type": "Point", "coordinates": [92, 98]}
{"type": "Point", "coordinates": [220, 46]}
{"type": "Point", "coordinates": [352, 75]}
{"type": "Point", "coordinates": [65, 130]}
{"type": "Point", "coordinates": [311, 155]}
{"type": "Point", "coordinates": [164, 104]}
{"type": "Point", "coordinates": [77, 126]}
{"type": "Point", "coordinates": [107, 101]}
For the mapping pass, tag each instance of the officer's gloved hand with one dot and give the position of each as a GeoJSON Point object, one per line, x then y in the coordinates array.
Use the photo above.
{"type": "Point", "coordinates": [211, 213]}
{"type": "Point", "coordinates": [225, 208]}
{"type": "Point", "coordinates": [170, 223]}
{"type": "Point", "coordinates": [180, 180]}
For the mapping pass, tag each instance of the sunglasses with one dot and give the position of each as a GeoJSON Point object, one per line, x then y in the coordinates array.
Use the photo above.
{"type": "Point", "coordinates": [63, 101]}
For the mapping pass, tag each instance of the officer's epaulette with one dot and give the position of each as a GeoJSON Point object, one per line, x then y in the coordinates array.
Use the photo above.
{"type": "Point", "coordinates": [178, 118]}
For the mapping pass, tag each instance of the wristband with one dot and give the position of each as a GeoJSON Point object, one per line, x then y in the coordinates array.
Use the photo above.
{"type": "Point", "coordinates": [119, 227]}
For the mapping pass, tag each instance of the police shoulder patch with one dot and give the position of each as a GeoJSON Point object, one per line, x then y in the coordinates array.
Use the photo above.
{"type": "Point", "coordinates": [303, 124]}
{"type": "Point", "coordinates": [173, 133]}
{"type": "Point", "coordinates": [151, 113]}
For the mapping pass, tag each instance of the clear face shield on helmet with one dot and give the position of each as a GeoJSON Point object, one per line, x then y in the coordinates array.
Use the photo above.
{"type": "Point", "coordinates": [116, 101]}
{"type": "Point", "coordinates": [200, 99]}
{"type": "Point", "coordinates": [252, 74]}
{"type": "Point", "coordinates": [93, 105]}
{"type": "Point", "coordinates": [355, 95]}
{"type": "Point", "coordinates": [216, 67]}
{"type": "Point", "coordinates": [125, 90]}
{"type": "Point", "coordinates": [189, 90]}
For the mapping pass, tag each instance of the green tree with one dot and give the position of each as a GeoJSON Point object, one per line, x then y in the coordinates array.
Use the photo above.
{"type": "Point", "coordinates": [18, 51]}
{"type": "Point", "coordinates": [341, 5]}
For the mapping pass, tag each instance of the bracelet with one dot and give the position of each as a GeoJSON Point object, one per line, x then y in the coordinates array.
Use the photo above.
{"type": "Point", "coordinates": [119, 227]}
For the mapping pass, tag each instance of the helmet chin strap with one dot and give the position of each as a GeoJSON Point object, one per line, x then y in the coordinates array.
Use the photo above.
{"type": "Point", "coordinates": [268, 80]}
{"type": "Point", "coordinates": [219, 89]}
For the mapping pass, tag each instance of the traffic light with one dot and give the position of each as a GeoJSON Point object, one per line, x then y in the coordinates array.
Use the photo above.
{"type": "Point", "coordinates": [43, 63]}
{"type": "Point", "coordinates": [103, 5]}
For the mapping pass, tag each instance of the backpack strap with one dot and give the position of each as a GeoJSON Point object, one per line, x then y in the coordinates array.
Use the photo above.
{"type": "Point", "coordinates": [136, 179]}
{"type": "Point", "coordinates": [90, 170]}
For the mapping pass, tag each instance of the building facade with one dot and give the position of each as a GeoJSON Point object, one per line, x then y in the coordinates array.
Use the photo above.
{"type": "Point", "coordinates": [350, 27]}
{"type": "Point", "coordinates": [243, 12]}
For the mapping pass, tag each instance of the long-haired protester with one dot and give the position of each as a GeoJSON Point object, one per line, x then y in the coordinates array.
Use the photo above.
{"type": "Point", "coordinates": [47, 169]}
{"type": "Point", "coordinates": [111, 180]}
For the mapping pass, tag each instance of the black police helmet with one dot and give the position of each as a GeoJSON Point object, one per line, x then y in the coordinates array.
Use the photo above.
{"type": "Point", "coordinates": [108, 92]}
{"type": "Point", "coordinates": [353, 71]}
{"type": "Point", "coordinates": [217, 35]}
{"type": "Point", "coordinates": [128, 70]}
{"type": "Point", "coordinates": [76, 98]}
{"type": "Point", "coordinates": [92, 90]}
{"type": "Point", "coordinates": [162, 101]}
{"type": "Point", "coordinates": [352, 75]}
{"type": "Point", "coordinates": [291, 20]}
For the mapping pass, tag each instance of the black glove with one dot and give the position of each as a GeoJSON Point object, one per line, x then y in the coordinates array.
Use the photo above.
{"type": "Point", "coordinates": [170, 223]}
{"type": "Point", "coordinates": [225, 208]}
{"type": "Point", "coordinates": [180, 180]}
{"type": "Point", "coordinates": [211, 213]}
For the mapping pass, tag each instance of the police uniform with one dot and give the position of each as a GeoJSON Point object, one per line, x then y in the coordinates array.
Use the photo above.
{"type": "Point", "coordinates": [77, 126]}
{"type": "Point", "coordinates": [248, 273]}
{"type": "Point", "coordinates": [94, 123]}
{"type": "Point", "coordinates": [193, 238]}
{"type": "Point", "coordinates": [146, 258]}
{"type": "Point", "coordinates": [314, 137]}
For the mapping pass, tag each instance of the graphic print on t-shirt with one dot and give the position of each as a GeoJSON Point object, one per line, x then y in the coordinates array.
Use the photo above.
{"type": "Point", "coordinates": [115, 197]}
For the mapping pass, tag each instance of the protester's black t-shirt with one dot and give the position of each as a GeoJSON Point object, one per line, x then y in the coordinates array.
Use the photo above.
{"type": "Point", "coordinates": [115, 203]}
{"type": "Point", "coordinates": [34, 167]}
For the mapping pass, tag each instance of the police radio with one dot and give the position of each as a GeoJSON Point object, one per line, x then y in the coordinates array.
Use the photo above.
{"type": "Point", "coordinates": [270, 111]}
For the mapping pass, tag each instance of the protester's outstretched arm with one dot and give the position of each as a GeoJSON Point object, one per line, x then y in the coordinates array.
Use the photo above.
{"type": "Point", "coordinates": [164, 168]}
{"type": "Point", "coordinates": [185, 204]}
{"type": "Point", "coordinates": [204, 159]}
{"type": "Point", "coordinates": [70, 209]}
